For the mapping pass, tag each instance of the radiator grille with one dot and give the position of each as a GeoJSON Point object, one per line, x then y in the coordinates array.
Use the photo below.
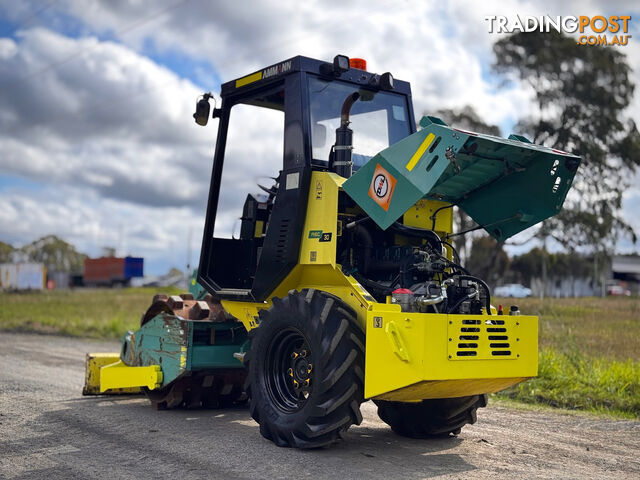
{"type": "Point", "coordinates": [478, 337]}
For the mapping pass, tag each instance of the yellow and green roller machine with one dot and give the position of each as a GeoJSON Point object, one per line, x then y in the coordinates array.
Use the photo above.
{"type": "Point", "coordinates": [343, 285]}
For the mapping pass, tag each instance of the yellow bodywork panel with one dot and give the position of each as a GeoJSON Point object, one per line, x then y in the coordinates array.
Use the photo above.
{"type": "Point", "coordinates": [326, 278]}
{"type": "Point", "coordinates": [246, 312]}
{"type": "Point", "coordinates": [119, 375]}
{"type": "Point", "coordinates": [331, 280]}
{"type": "Point", "coordinates": [449, 388]}
{"type": "Point", "coordinates": [412, 356]}
{"type": "Point", "coordinates": [317, 266]}
{"type": "Point", "coordinates": [420, 215]}
{"type": "Point", "coordinates": [94, 362]}
{"type": "Point", "coordinates": [320, 231]}
{"type": "Point", "coordinates": [409, 356]}
{"type": "Point", "coordinates": [106, 374]}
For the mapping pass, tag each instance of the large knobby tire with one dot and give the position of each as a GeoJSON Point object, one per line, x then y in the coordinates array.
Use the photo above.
{"type": "Point", "coordinates": [306, 370]}
{"type": "Point", "coordinates": [430, 418]}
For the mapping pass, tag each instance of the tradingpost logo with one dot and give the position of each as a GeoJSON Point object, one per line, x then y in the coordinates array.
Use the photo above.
{"type": "Point", "coordinates": [596, 30]}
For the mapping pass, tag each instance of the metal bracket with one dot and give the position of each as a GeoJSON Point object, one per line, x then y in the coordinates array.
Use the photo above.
{"type": "Point", "coordinates": [119, 375]}
{"type": "Point", "coordinates": [397, 344]}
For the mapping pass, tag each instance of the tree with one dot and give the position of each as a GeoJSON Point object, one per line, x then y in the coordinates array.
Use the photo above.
{"type": "Point", "coordinates": [488, 260]}
{"type": "Point", "coordinates": [465, 118]}
{"type": "Point", "coordinates": [582, 93]}
{"type": "Point", "coordinates": [175, 272]}
{"type": "Point", "coordinates": [6, 252]}
{"type": "Point", "coordinates": [54, 253]}
{"type": "Point", "coordinates": [559, 266]}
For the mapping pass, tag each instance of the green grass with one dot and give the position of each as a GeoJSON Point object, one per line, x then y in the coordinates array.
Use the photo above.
{"type": "Point", "coordinates": [597, 327]}
{"type": "Point", "coordinates": [96, 313]}
{"type": "Point", "coordinates": [589, 355]}
{"type": "Point", "coordinates": [576, 381]}
{"type": "Point", "coordinates": [589, 347]}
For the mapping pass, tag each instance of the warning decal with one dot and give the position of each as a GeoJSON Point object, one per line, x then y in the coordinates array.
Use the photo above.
{"type": "Point", "coordinates": [382, 187]}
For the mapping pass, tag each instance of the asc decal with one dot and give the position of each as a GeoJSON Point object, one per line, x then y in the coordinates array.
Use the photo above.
{"type": "Point", "coordinates": [382, 186]}
{"type": "Point", "coordinates": [276, 69]}
{"type": "Point", "coordinates": [320, 235]}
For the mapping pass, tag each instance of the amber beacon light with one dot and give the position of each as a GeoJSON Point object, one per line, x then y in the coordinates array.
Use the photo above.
{"type": "Point", "coordinates": [359, 63]}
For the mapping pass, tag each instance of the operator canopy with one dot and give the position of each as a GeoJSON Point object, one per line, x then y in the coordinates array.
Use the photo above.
{"type": "Point", "coordinates": [505, 185]}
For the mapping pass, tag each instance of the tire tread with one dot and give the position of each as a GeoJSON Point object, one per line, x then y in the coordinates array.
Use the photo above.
{"type": "Point", "coordinates": [431, 418]}
{"type": "Point", "coordinates": [339, 388]}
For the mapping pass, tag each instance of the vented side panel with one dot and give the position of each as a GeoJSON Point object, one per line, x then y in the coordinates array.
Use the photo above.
{"type": "Point", "coordinates": [475, 337]}
{"type": "Point", "coordinates": [282, 243]}
{"type": "Point", "coordinates": [281, 247]}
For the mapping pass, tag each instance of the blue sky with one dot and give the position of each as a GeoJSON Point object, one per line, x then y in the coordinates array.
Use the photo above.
{"type": "Point", "coordinates": [97, 143]}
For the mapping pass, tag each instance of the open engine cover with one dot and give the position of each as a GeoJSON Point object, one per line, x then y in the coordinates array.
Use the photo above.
{"type": "Point", "coordinates": [505, 185]}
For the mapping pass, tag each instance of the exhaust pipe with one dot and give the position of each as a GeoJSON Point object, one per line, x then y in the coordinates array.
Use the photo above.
{"type": "Point", "coordinates": [340, 161]}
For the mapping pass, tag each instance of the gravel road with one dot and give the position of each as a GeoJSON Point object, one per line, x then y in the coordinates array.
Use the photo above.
{"type": "Point", "coordinates": [48, 430]}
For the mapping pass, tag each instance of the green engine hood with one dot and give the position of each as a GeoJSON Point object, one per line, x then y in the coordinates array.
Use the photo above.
{"type": "Point", "coordinates": [505, 185]}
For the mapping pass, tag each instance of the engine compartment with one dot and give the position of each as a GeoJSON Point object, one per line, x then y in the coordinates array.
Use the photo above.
{"type": "Point", "coordinates": [410, 266]}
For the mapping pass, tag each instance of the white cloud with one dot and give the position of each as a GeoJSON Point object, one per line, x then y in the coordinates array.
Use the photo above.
{"type": "Point", "coordinates": [112, 129]}
{"type": "Point", "coordinates": [8, 48]}
{"type": "Point", "coordinates": [109, 164]}
{"type": "Point", "coordinates": [422, 42]}
{"type": "Point", "coordinates": [90, 222]}
{"type": "Point", "coordinates": [110, 119]}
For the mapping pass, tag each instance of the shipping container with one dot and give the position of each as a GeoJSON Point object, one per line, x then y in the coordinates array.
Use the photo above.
{"type": "Point", "coordinates": [108, 271]}
{"type": "Point", "coordinates": [22, 276]}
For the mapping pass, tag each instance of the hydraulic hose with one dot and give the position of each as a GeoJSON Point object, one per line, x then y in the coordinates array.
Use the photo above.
{"type": "Point", "coordinates": [373, 285]}
{"type": "Point", "coordinates": [455, 306]}
{"type": "Point", "coordinates": [484, 286]}
{"type": "Point", "coordinates": [429, 235]}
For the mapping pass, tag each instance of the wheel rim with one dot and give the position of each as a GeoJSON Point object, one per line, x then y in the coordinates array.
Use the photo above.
{"type": "Point", "coordinates": [289, 370]}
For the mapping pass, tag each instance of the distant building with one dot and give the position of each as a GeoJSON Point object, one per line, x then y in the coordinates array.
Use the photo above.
{"type": "Point", "coordinates": [562, 287]}
{"type": "Point", "coordinates": [625, 271]}
{"type": "Point", "coordinates": [618, 275]}
{"type": "Point", "coordinates": [22, 276]}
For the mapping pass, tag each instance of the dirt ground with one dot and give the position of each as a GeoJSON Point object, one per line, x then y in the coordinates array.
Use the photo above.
{"type": "Point", "coordinates": [49, 430]}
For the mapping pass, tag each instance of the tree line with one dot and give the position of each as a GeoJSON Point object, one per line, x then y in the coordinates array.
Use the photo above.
{"type": "Point", "coordinates": [582, 96]}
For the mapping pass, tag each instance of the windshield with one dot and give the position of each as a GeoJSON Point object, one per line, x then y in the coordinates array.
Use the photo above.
{"type": "Point", "coordinates": [376, 123]}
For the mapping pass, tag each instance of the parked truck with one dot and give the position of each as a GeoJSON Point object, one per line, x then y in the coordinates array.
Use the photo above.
{"type": "Point", "coordinates": [112, 271]}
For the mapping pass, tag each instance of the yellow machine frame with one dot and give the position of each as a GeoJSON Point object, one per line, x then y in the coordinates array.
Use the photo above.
{"type": "Point", "coordinates": [105, 373]}
{"type": "Point", "coordinates": [409, 356]}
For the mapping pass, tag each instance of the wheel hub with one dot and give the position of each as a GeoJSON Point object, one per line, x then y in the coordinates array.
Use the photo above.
{"type": "Point", "coordinates": [301, 369]}
{"type": "Point", "coordinates": [290, 386]}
